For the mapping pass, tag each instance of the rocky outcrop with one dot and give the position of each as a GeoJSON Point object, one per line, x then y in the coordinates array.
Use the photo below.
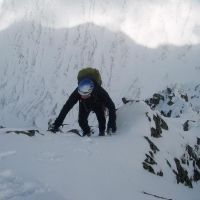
{"type": "Point", "coordinates": [187, 125]}
{"type": "Point", "coordinates": [186, 168]}
{"type": "Point", "coordinates": [155, 100]}
{"type": "Point", "coordinates": [183, 172]}
{"type": "Point", "coordinates": [152, 146]}
{"type": "Point", "coordinates": [190, 157]}
{"type": "Point", "coordinates": [175, 101]}
{"type": "Point", "coordinates": [149, 162]}
{"type": "Point", "coordinates": [29, 133]}
{"type": "Point", "coordinates": [159, 125]}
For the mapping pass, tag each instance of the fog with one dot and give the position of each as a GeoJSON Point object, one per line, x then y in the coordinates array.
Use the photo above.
{"type": "Point", "coordinates": [148, 23]}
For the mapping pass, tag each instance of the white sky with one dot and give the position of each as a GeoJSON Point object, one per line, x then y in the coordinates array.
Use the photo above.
{"type": "Point", "coordinates": [149, 23]}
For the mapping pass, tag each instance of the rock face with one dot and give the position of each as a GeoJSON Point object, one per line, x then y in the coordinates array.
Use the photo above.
{"type": "Point", "coordinates": [182, 170]}
{"type": "Point", "coordinates": [191, 157]}
{"type": "Point", "coordinates": [182, 174]}
{"type": "Point", "coordinates": [159, 124]}
{"type": "Point", "coordinates": [29, 133]}
{"type": "Point", "coordinates": [174, 103]}
{"type": "Point", "coordinates": [149, 163]}
{"type": "Point", "coordinates": [188, 124]}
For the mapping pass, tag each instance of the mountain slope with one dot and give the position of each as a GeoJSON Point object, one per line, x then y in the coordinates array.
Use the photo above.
{"type": "Point", "coordinates": [40, 65]}
{"type": "Point", "coordinates": [101, 167]}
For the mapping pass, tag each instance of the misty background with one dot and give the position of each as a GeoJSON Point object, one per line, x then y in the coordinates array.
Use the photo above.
{"type": "Point", "coordinates": [140, 47]}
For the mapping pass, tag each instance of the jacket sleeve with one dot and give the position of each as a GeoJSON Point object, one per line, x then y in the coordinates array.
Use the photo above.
{"type": "Point", "coordinates": [73, 99]}
{"type": "Point", "coordinates": [108, 104]}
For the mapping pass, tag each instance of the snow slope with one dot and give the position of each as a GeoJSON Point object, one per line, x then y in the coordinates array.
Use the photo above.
{"type": "Point", "coordinates": [65, 166]}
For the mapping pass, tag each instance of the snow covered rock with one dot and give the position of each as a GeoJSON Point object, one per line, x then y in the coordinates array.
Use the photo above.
{"type": "Point", "coordinates": [176, 100]}
{"type": "Point", "coordinates": [165, 137]}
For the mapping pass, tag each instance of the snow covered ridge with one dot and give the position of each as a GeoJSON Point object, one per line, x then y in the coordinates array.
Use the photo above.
{"type": "Point", "coordinates": [181, 102]}
{"type": "Point", "coordinates": [186, 166]}
{"type": "Point", "coordinates": [164, 148]}
{"type": "Point", "coordinates": [165, 137]}
{"type": "Point", "coordinates": [176, 101]}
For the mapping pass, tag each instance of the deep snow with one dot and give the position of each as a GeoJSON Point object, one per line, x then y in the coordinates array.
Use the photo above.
{"type": "Point", "coordinates": [66, 166]}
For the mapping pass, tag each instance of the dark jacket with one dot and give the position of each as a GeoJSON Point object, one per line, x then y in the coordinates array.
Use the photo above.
{"type": "Point", "coordinates": [99, 98]}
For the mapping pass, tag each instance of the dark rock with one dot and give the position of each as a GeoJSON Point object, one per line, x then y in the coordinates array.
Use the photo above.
{"type": "Point", "coordinates": [153, 147]}
{"type": "Point", "coordinates": [170, 96]}
{"type": "Point", "coordinates": [148, 168]}
{"type": "Point", "coordinates": [185, 97]}
{"type": "Point", "coordinates": [155, 133]}
{"type": "Point", "coordinates": [155, 100]}
{"type": "Point", "coordinates": [186, 126]}
{"type": "Point", "coordinates": [170, 103]}
{"type": "Point", "coordinates": [187, 162]}
{"type": "Point", "coordinates": [182, 174]}
{"type": "Point", "coordinates": [196, 176]}
{"type": "Point", "coordinates": [189, 157]}
{"type": "Point", "coordinates": [125, 100]}
{"type": "Point", "coordinates": [183, 159]}
{"type": "Point", "coordinates": [160, 124]}
{"type": "Point", "coordinates": [193, 155]}
{"type": "Point", "coordinates": [149, 159]}
{"type": "Point", "coordinates": [169, 90]}
{"type": "Point", "coordinates": [160, 173]}
{"type": "Point", "coordinates": [168, 114]}
{"type": "Point", "coordinates": [198, 141]}
{"type": "Point", "coordinates": [163, 124]}
{"type": "Point", "coordinates": [168, 163]}
{"type": "Point", "coordinates": [30, 133]}
{"type": "Point", "coordinates": [151, 153]}
{"type": "Point", "coordinates": [148, 116]}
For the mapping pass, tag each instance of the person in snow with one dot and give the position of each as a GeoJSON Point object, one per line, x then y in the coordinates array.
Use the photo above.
{"type": "Point", "coordinates": [91, 97]}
